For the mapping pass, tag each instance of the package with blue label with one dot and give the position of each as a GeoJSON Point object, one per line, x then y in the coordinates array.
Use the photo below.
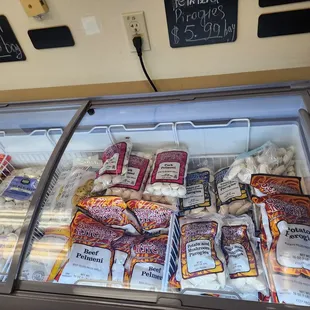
{"type": "Point", "coordinates": [200, 195]}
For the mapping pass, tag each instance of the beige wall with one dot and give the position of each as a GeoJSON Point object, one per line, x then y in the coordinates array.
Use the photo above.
{"type": "Point", "coordinates": [105, 57]}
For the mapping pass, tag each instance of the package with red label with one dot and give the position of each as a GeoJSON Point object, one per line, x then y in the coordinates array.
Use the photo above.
{"type": "Point", "coordinates": [133, 185]}
{"type": "Point", "coordinates": [239, 245]}
{"type": "Point", "coordinates": [114, 168]}
{"type": "Point", "coordinates": [47, 255]}
{"type": "Point", "coordinates": [268, 184]}
{"type": "Point", "coordinates": [5, 165]}
{"type": "Point", "coordinates": [91, 254]}
{"type": "Point", "coordinates": [168, 175]}
{"type": "Point", "coordinates": [286, 222]}
{"type": "Point", "coordinates": [122, 249]}
{"type": "Point", "coordinates": [202, 260]}
{"type": "Point", "coordinates": [146, 266]}
{"type": "Point", "coordinates": [153, 217]}
{"type": "Point", "coordinates": [111, 211]}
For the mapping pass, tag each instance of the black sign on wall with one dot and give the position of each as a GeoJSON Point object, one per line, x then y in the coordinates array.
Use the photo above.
{"type": "Point", "coordinates": [10, 50]}
{"type": "Point", "coordinates": [199, 22]}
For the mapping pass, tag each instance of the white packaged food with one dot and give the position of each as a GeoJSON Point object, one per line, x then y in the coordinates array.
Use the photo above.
{"type": "Point", "coordinates": [114, 168]}
{"type": "Point", "coordinates": [168, 175]}
{"type": "Point", "coordinates": [266, 159]}
{"type": "Point", "coordinates": [232, 197]}
{"type": "Point", "coordinates": [202, 260]}
{"type": "Point", "coordinates": [239, 245]}
{"type": "Point", "coordinates": [133, 185]}
{"type": "Point", "coordinates": [200, 195]}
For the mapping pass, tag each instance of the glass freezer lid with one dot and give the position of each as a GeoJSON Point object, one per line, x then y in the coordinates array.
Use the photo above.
{"type": "Point", "coordinates": [28, 136]}
{"type": "Point", "coordinates": [116, 215]}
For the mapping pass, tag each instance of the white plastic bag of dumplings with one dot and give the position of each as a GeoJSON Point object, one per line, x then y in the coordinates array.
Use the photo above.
{"type": "Point", "coordinates": [133, 185]}
{"type": "Point", "coordinates": [115, 159]}
{"type": "Point", "coordinates": [202, 260]}
{"type": "Point", "coordinates": [267, 159]}
{"type": "Point", "coordinates": [239, 245]}
{"type": "Point", "coordinates": [168, 174]}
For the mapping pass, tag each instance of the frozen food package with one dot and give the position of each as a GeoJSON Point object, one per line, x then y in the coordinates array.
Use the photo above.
{"type": "Point", "coordinates": [232, 197]}
{"type": "Point", "coordinates": [266, 159]}
{"type": "Point", "coordinates": [167, 200]}
{"type": "Point", "coordinates": [115, 159]}
{"type": "Point", "coordinates": [133, 185]}
{"type": "Point", "coordinates": [267, 184]}
{"type": "Point", "coordinates": [153, 217]}
{"type": "Point", "coordinates": [146, 266]}
{"type": "Point", "coordinates": [122, 248]}
{"type": "Point", "coordinates": [239, 245]}
{"type": "Point", "coordinates": [200, 195]}
{"type": "Point", "coordinates": [91, 253]}
{"type": "Point", "coordinates": [71, 187]}
{"type": "Point", "coordinates": [168, 175]}
{"type": "Point", "coordinates": [111, 211]}
{"type": "Point", "coordinates": [47, 255]}
{"type": "Point", "coordinates": [286, 222]}
{"type": "Point", "coordinates": [202, 259]}
{"type": "Point", "coordinates": [8, 242]}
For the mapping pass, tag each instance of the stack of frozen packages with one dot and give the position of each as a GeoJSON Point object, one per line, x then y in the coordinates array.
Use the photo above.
{"type": "Point", "coordinates": [266, 159]}
{"type": "Point", "coordinates": [111, 244]}
{"type": "Point", "coordinates": [16, 192]}
{"type": "Point", "coordinates": [285, 231]}
{"type": "Point", "coordinates": [73, 184]}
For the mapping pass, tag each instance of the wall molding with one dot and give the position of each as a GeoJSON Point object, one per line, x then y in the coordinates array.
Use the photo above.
{"type": "Point", "coordinates": [95, 90]}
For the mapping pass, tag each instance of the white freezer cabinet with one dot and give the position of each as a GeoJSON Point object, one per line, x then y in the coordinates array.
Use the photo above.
{"type": "Point", "coordinates": [215, 127]}
{"type": "Point", "coordinates": [29, 133]}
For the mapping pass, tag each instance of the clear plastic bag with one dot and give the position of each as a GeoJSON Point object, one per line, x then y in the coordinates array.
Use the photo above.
{"type": "Point", "coordinates": [133, 185]}
{"type": "Point", "coordinates": [114, 168]}
{"type": "Point", "coordinates": [168, 175]}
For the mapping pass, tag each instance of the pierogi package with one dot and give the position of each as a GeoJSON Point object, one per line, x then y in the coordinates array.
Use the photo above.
{"type": "Point", "coordinates": [91, 253]}
{"type": "Point", "coordinates": [146, 267]}
{"type": "Point", "coordinates": [240, 249]}
{"type": "Point", "coordinates": [202, 260]}
{"type": "Point", "coordinates": [268, 184]}
{"type": "Point", "coordinates": [286, 246]}
{"type": "Point", "coordinates": [153, 217]}
{"type": "Point", "coordinates": [111, 211]}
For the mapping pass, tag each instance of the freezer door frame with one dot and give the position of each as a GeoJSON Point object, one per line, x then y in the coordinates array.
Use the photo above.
{"type": "Point", "coordinates": [33, 211]}
{"type": "Point", "coordinates": [121, 298]}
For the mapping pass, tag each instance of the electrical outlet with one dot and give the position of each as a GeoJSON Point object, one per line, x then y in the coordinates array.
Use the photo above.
{"type": "Point", "coordinates": [135, 25]}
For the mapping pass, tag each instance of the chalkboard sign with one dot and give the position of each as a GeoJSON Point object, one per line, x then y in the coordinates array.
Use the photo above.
{"type": "Point", "coordinates": [10, 49]}
{"type": "Point", "coordinates": [265, 3]}
{"type": "Point", "coordinates": [199, 22]}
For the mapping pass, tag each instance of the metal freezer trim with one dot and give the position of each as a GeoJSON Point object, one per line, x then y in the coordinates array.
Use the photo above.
{"type": "Point", "coordinates": [34, 207]}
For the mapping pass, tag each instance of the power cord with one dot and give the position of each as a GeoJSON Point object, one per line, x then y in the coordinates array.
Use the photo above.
{"type": "Point", "coordinates": [137, 42]}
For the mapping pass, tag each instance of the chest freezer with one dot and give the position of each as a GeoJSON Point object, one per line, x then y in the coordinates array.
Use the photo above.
{"type": "Point", "coordinates": [215, 127]}
{"type": "Point", "coordinates": [28, 136]}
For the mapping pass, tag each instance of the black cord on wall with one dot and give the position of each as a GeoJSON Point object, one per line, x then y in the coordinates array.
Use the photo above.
{"type": "Point", "coordinates": [137, 42]}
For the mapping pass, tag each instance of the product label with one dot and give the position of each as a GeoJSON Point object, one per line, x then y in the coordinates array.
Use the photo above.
{"type": "Point", "coordinates": [291, 290]}
{"type": "Point", "coordinates": [198, 255]}
{"type": "Point", "coordinates": [170, 167]}
{"type": "Point", "coordinates": [228, 191]}
{"type": "Point", "coordinates": [239, 254]}
{"type": "Point", "coordinates": [21, 188]}
{"type": "Point", "coordinates": [271, 184]}
{"type": "Point", "coordinates": [293, 249]}
{"type": "Point", "coordinates": [137, 169]}
{"type": "Point", "coordinates": [87, 263]}
{"type": "Point", "coordinates": [147, 276]}
{"type": "Point", "coordinates": [113, 159]}
{"type": "Point", "coordinates": [197, 191]}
